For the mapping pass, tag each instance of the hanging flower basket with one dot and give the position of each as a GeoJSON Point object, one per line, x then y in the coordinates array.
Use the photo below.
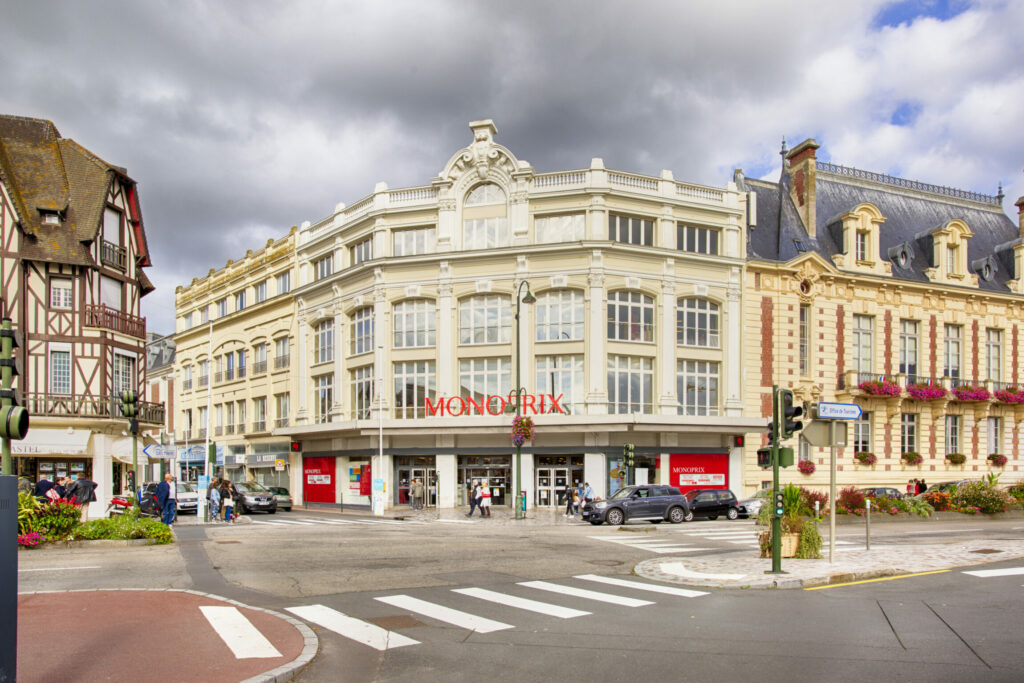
{"type": "Point", "coordinates": [806, 466]}
{"type": "Point", "coordinates": [971, 393]}
{"type": "Point", "coordinates": [956, 458]}
{"type": "Point", "coordinates": [926, 392]}
{"type": "Point", "coordinates": [912, 458]}
{"type": "Point", "coordinates": [1009, 396]}
{"type": "Point", "coordinates": [522, 430]}
{"type": "Point", "coordinates": [866, 459]}
{"type": "Point", "coordinates": [882, 387]}
{"type": "Point", "coordinates": [997, 459]}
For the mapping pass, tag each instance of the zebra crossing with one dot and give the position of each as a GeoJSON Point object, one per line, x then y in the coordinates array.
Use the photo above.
{"type": "Point", "coordinates": [320, 521]}
{"type": "Point", "coordinates": [743, 535]}
{"type": "Point", "coordinates": [380, 638]}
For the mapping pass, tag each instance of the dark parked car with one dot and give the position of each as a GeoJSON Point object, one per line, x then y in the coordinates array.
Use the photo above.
{"type": "Point", "coordinates": [711, 503]}
{"type": "Point", "coordinates": [654, 504]}
{"type": "Point", "coordinates": [284, 499]}
{"type": "Point", "coordinates": [882, 492]}
{"type": "Point", "coordinates": [251, 496]}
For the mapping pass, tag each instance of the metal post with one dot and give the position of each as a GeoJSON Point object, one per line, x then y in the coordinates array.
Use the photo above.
{"type": "Point", "coordinates": [519, 502]}
{"type": "Point", "coordinates": [8, 578]}
{"type": "Point", "coordinates": [776, 519]}
{"type": "Point", "coordinates": [867, 526]}
{"type": "Point", "coordinates": [6, 380]}
{"type": "Point", "coordinates": [831, 492]}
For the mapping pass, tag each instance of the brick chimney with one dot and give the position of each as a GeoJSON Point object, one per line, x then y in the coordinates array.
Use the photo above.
{"type": "Point", "coordinates": [1020, 216]}
{"type": "Point", "coordinates": [802, 174]}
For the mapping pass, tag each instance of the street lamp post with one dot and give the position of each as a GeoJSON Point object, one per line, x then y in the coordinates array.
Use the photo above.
{"type": "Point", "coordinates": [520, 299]}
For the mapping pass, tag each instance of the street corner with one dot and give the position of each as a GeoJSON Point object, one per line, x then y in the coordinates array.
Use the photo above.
{"type": "Point", "coordinates": [172, 635]}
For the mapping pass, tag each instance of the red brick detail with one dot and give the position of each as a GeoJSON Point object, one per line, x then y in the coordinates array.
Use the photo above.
{"type": "Point", "coordinates": [974, 350]}
{"type": "Point", "coordinates": [766, 412]}
{"type": "Point", "coordinates": [808, 152]}
{"type": "Point", "coordinates": [840, 340]}
{"type": "Point", "coordinates": [767, 341]}
{"type": "Point", "coordinates": [800, 186]}
{"type": "Point", "coordinates": [1016, 439]}
{"type": "Point", "coordinates": [932, 346]}
{"type": "Point", "coordinates": [888, 342]}
{"type": "Point", "coordinates": [932, 439]}
{"type": "Point", "coordinates": [974, 435]}
{"type": "Point", "coordinates": [1014, 359]}
{"type": "Point", "coordinates": [888, 439]}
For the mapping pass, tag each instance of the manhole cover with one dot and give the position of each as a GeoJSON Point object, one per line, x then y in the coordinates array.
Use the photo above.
{"type": "Point", "coordinates": [226, 542]}
{"type": "Point", "coordinates": [395, 623]}
{"type": "Point", "coordinates": [986, 551]}
{"type": "Point", "coordinates": [605, 563]}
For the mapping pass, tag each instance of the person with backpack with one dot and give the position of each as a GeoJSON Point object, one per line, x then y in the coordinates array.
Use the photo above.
{"type": "Point", "coordinates": [227, 501]}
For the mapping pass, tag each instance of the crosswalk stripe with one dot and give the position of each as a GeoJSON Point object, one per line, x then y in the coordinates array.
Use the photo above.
{"type": "Point", "coordinates": [587, 594]}
{"type": "Point", "coordinates": [445, 614]}
{"type": "Point", "coordinates": [522, 603]}
{"type": "Point", "coordinates": [327, 521]}
{"type": "Point", "coordinates": [238, 633]}
{"type": "Point", "coordinates": [653, 587]}
{"type": "Point", "coordinates": [728, 534]}
{"type": "Point", "coordinates": [986, 573]}
{"type": "Point", "coordinates": [293, 521]}
{"type": "Point", "coordinates": [269, 523]}
{"type": "Point", "coordinates": [360, 631]}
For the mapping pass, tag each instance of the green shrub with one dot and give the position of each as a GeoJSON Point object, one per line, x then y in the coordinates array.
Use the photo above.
{"type": "Point", "coordinates": [851, 499]}
{"type": "Point", "coordinates": [125, 527]}
{"type": "Point", "coordinates": [977, 494]}
{"type": "Point", "coordinates": [809, 547]}
{"type": "Point", "coordinates": [809, 498]}
{"type": "Point", "coordinates": [56, 520]}
{"type": "Point", "coordinates": [793, 501]}
{"type": "Point", "coordinates": [920, 508]}
{"type": "Point", "coordinates": [888, 505]}
{"type": "Point", "coordinates": [27, 506]}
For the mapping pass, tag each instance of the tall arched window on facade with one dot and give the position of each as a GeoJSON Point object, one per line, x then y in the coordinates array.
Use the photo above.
{"type": "Point", "coordinates": [485, 218]}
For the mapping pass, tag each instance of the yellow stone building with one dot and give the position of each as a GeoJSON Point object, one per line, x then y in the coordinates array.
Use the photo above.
{"type": "Point", "coordinates": [904, 298]}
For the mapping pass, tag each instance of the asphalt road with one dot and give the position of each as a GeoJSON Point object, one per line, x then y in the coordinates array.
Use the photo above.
{"type": "Point", "coordinates": [951, 626]}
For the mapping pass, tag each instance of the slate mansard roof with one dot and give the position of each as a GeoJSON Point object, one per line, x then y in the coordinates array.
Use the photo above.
{"type": "Point", "coordinates": [910, 216]}
{"type": "Point", "coordinates": [44, 172]}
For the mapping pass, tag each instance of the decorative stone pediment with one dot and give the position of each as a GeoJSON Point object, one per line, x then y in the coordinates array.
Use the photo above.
{"type": "Point", "coordinates": [482, 160]}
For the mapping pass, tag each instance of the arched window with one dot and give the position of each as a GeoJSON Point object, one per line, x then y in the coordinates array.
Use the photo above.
{"type": "Point", "coordinates": [487, 193]}
{"type": "Point", "coordinates": [362, 330]}
{"type": "Point", "coordinates": [560, 315]}
{"type": "Point", "coordinates": [485, 218]}
{"type": "Point", "coordinates": [630, 317]}
{"type": "Point", "coordinates": [485, 320]}
{"type": "Point", "coordinates": [415, 324]}
{"type": "Point", "coordinates": [697, 323]}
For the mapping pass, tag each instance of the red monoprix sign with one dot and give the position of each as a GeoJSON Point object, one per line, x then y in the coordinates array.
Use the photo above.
{"type": "Point", "coordinates": [495, 404]}
{"type": "Point", "coordinates": [699, 471]}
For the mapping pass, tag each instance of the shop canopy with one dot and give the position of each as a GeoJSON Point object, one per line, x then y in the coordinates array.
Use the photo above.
{"type": "Point", "coordinates": [53, 442]}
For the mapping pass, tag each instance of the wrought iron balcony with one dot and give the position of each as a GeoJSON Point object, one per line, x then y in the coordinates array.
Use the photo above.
{"type": "Point", "coordinates": [80, 405]}
{"type": "Point", "coordinates": [281, 361]}
{"type": "Point", "coordinates": [113, 255]}
{"type": "Point", "coordinates": [259, 367]}
{"type": "Point", "coordinates": [118, 321]}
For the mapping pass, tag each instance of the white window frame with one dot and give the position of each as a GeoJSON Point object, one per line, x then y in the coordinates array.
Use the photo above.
{"type": "Point", "coordinates": [414, 382]}
{"type": "Point", "coordinates": [260, 292]}
{"type": "Point", "coordinates": [60, 369]}
{"type": "Point", "coordinates": [698, 239]}
{"type": "Point", "coordinates": [566, 227]}
{"type": "Point", "coordinates": [630, 230]}
{"type": "Point", "coordinates": [805, 340]}
{"type": "Point", "coordinates": [952, 346]}
{"type": "Point", "coordinates": [62, 293]}
{"type": "Point", "coordinates": [323, 267]}
{"type": "Point", "coordinates": [414, 241]}
{"type": "Point", "coordinates": [863, 344]}
{"type": "Point", "coordinates": [698, 323]}
{"type": "Point", "coordinates": [362, 326]}
{"type": "Point", "coordinates": [563, 375]}
{"type": "Point", "coordinates": [415, 324]}
{"type": "Point", "coordinates": [240, 300]}
{"type": "Point", "coordinates": [953, 433]}
{"type": "Point", "coordinates": [994, 354]}
{"type": "Point", "coordinates": [485, 194]}
{"type": "Point", "coordinates": [560, 315]}
{"type": "Point", "coordinates": [909, 427]}
{"type": "Point", "coordinates": [362, 251]}
{"type": "Point", "coordinates": [485, 319]}
{"type": "Point", "coordinates": [124, 377]}
{"type": "Point", "coordinates": [630, 384]}
{"type": "Point", "coordinates": [323, 397]}
{"type": "Point", "coordinates": [909, 349]}
{"type": "Point", "coordinates": [630, 316]}
{"type": "Point", "coordinates": [862, 433]}
{"type": "Point", "coordinates": [323, 342]}
{"type": "Point", "coordinates": [362, 384]}
{"type": "Point", "coordinates": [485, 233]}
{"type": "Point", "coordinates": [283, 282]}
{"type": "Point", "coordinates": [282, 407]}
{"type": "Point", "coordinates": [483, 377]}
{"type": "Point", "coordinates": [994, 431]}
{"type": "Point", "coordinates": [697, 387]}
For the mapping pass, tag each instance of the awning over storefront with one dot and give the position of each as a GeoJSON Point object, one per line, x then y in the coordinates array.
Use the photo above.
{"type": "Point", "coordinates": [52, 442]}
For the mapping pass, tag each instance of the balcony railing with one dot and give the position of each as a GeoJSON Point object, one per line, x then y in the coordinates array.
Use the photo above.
{"type": "Point", "coordinates": [204, 380]}
{"type": "Point", "coordinates": [259, 426]}
{"type": "Point", "coordinates": [76, 405]}
{"type": "Point", "coordinates": [187, 384]}
{"type": "Point", "coordinates": [241, 372]}
{"type": "Point", "coordinates": [281, 362]}
{"type": "Point", "coordinates": [113, 255]}
{"type": "Point", "coordinates": [218, 431]}
{"type": "Point", "coordinates": [202, 433]}
{"type": "Point", "coordinates": [218, 377]}
{"type": "Point", "coordinates": [259, 367]}
{"type": "Point", "coordinates": [118, 321]}
{"type": "Point", "coordinates": [281, 422]}
{"type": "Point", "coordinates": [229, 374]}
{"type": "Point", "coordinates": [229, 429]}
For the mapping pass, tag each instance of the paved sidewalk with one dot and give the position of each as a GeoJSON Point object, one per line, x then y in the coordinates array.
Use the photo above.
{"type": "Point", "coordinates": [156, 634]}
{"type": "Point", "coordinates": [745, 569]}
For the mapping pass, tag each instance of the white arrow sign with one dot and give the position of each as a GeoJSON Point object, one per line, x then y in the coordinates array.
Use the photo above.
{"type": "Point", "coordinates": [155, 451]}
{"type": "Point", "coordinates": [838, 411]}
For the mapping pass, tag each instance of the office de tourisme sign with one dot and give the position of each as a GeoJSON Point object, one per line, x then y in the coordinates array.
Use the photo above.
{"type": "Point", "coordinates": [454, 406]}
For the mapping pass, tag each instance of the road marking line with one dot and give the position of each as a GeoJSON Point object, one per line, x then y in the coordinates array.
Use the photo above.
{"type": "Point", "coordinates": [522, 603]}
{"type": "Point", "coordinates": [587, 594]}
{"type": "Point", "coordinates": [326, 521]}
{"type": "Point", "coordinates": [721, 534]}
{"type": "Point", "coordinates": [287, 521]}
{"type": "Point", "coordinates": [454, 521]}
{"type": "Point", "coordinates": [882, 578]}
{"type": "Point", "coordinates": [653, 587]}
{"type": "Point", "coordinates": [940, 531]}
{"type": "Point", "coordinates": [1009, 571]}
{"type": "Point", "coordinates": [348, 627]}
{"type": "Point", "coordinates": [679, 569]}
{"type": "Point", "coordinates": [270, 523]}
{"type": "Point", "coordinates": [445, 614]}
{"type": "Point", "coordinates": [58, 569]}
{"type": "Point", "coordinates": [238, 633]}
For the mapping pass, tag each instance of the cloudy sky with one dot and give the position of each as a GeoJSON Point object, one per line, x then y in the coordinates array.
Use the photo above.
{"type": "Point", "coordinates": [241, 119]}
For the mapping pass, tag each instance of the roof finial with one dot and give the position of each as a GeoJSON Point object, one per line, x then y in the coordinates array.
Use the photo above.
{"type": "Point", "coordinates": [1000, 195]}
{"type": "Point", "coordinates": [784, 149]}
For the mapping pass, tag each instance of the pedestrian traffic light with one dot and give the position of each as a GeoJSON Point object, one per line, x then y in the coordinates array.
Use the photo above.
{"type": "Point", "coordinates": [764, 457]}
{"type": "Point", "coordinates": [14, 419]}
{"type": "Point", "coordinates": [780, 505]}
{"type": "Point", "coordinates": [296, 446]}
{"type": "Point", "coordinates": [628, 453]}
{"type": "Point", "coordinates": [129, 403]}
{"type": "Point", "coordinates": [131, 480]}
{"type": "Point", "coordinates": [211, 454]}
{"type": "Point", "coordinates": [787, 413]}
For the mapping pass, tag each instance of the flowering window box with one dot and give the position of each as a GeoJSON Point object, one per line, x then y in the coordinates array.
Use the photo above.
{"type": "Point", "coordinates": [882, 387]}
{"type": "Point", "coordinates": [806, 466]}
{"type": "Point", "coordinates": [926, 392]}
{"type": "Point", "coordinates": [866, 459]}
{"type": "Point", "coordinates": [971, 393]}
{"type": "Point", "coordinates": [956, 458]}
{"type": "Point", "coordinates": [912, 458]}
{"type": "Point", "coordinates": [997, 459]}
{"type": "Point", "coordinates": [1009, 396]}
{"type": "Point", "coordinates": [522, 430]}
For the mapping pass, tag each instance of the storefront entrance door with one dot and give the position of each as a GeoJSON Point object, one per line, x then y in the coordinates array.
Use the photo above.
{"type": "Point", "coordinates": [426, 475]}
{"type": "Point", "coordinates": [551, 486]}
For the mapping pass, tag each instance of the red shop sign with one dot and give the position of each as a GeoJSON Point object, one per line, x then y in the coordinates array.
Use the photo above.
{"type": "Point", "coordinates": [538, 404]}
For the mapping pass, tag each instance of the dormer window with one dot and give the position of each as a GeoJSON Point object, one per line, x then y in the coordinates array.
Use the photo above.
{"type": "Point", "coordinates": [862, 245]}
{"type": "Point", "coordinates": [51, 218]}
{"type": "Point", "coordinates": [860, 230]}
{"type": "Point", "coordinates": [949, 256]}
{"type": "Point", "coordinates": [951, 260]}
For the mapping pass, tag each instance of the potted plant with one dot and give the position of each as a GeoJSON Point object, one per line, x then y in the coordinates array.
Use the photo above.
{"type": "Point", "coordinates": [800, 537]}
{"type": "Point", "coordinates": [956, 458]}
{"type": "Point", "coordinates": [522, 430]}
{"type": "Point", "coordinates": [969, 392]}
{"type": "Point", "coordinates": [997, 459]}
{"type": "Point", "coordinates": [912, 458]}
{"type": "Point", "coordinates": [866, 459]}
{"type": "Point", "coordinates": [806, 467]}
{"type": "Point", "coordinates": [880, 387]}
{"type": "Point", "coordinates": [923, 391]}
{"type": "Point", "coordinates": [1009, 396]}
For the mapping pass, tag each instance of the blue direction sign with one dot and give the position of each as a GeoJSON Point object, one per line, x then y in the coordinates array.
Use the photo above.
{"type": "Point", "coordinates": [838, 411]}
{"type": "Point", "coordinates": [157, 451]}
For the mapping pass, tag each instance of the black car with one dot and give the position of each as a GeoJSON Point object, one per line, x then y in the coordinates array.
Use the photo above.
{"type": "Point", "coordinates": [654, 504]}
{"type": "Point", "coordinates": [711, 503]}
{"type": "Point", "coordinates": [251, 496]}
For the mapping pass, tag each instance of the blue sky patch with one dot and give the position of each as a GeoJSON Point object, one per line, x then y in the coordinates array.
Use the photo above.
{"type": "Point", "coordinates": [906, 11]}
{"type": "Point", "coordinates": [905, 114]}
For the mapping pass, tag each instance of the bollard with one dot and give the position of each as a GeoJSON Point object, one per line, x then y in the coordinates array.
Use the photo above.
{"type": "Point", "coordinates": [867, 526]}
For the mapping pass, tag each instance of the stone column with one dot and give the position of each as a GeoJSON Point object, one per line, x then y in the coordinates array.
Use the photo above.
{"type": "Point", "coordinates": [732, 367]}
{"type": "Point", "coordinates": [666, 360]}
{"type": "Point", "coordinates": [597, 370]}
{"type": "Point", "coordinates": [300, 363]}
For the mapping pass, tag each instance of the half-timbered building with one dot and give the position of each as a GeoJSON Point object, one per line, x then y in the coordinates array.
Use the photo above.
{"type": "Point", "coordinates": [73, 249]}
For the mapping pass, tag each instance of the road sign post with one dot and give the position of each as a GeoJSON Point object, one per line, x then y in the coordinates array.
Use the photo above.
{"type": "Point", "coordinates": [830, 412]}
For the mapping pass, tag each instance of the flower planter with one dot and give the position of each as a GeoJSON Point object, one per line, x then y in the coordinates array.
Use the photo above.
{"type": "Point", "coordinates": [790, 542]}
{"type": "Point", "coordinates": [970, 394]}
{"type": "Point", "coordinates": [926, 392]}
{"type": "Point", "coordinates": [882, 388]}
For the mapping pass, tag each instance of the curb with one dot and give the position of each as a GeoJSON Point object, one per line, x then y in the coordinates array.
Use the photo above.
{"type": "Point", "coordinates": [278, 675]}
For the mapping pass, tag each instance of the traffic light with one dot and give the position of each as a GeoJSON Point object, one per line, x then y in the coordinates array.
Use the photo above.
{"type": "Point", "coordinates": [628, 454]}
{"type": "Point", "coordinates": [780, 504]}
{"type": "Point", "coordinates": [211, 454]}
{"type": "Point", "coordinates": [129, 403]}
{"type": "Point", "coordinates": [785, 457]}
{"type": "Point", "coordinates": [14, 419]}
{"type": "Point", "coordinates": [131, 480]}
{"type": "Point", "coordinates": [787, 414]}
{"type": "Point", "coordinates": [764, 457]}
{"type": "Point", "coordinates": [296, 446]}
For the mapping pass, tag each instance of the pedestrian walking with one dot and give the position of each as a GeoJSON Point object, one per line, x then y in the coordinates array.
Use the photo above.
{"type": "Point", "coordinates": [214, 494]}
{"type": "Point", "coordinates": [416, 495]}
{"type": "Point", "coordinates": [167, 499]}
{"type": "Point", "coordinates": [921, 486]}
{"type": "Point", "coordinates": [570, 502]}
{"type": "Point", "coordinates": [42, 487]}
{"type": "Point", "coordinates": [911, 489]}
{"type": "Point", "coordinates": [474, 498]}
{"type": "Point", "coordinates": [83, 492]}
{"type": "Point", "coordinates": [588, 493]}
{"type": "Point", "coordinates": [485, 499]}
{"type": "Point", "coordinates": [227, 501]}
